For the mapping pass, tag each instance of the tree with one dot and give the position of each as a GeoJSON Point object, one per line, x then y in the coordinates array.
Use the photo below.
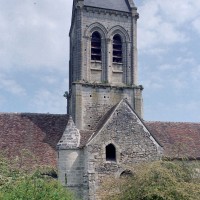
{"type": "Point", "coordinates": [35, 188]}
{"type": "Point", "coordinates": [161, 180]}
{"type": "Point", "coordinates": [17, 184]}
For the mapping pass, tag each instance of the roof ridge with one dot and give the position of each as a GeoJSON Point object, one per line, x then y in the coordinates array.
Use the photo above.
{"type": "Point", "coordinates": [173, 122]}
{"type": "Point", "coordinates": [27, 113]}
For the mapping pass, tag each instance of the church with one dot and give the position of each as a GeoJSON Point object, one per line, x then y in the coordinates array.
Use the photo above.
{"type": "Point", "coordinates": [103, 132]}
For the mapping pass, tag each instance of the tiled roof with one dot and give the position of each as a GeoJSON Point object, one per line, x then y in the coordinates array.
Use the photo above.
{"type": "Point", "coordinates": [120, 5]}
{"type": "Point", "coordinates": [85, 136]}
{"type": "Point", "coordinates": [38, 134]}
{"type": "Point", "coordinates": [179, 140]}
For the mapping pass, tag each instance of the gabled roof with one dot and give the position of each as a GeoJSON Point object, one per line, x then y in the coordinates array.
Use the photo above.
{"type": "Point", "coordinates": [85, 136]}
{"type": "Point", "coordinates": [109, 114]}
{"type": "Point", "coordinates": [179, 139]}
{"type": "Point", "coordinates": [119, 5]}
{"type": "Point", "coordinates": [105, 118]}
{"type": "Point", "coordinates": [37, 134]}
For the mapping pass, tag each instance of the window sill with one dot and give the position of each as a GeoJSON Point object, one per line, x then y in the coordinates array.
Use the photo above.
{"type": "Point", "coordinates": [117, 71]}
{"type": "Point", "coordinates": [117, 63]}
{"type": "Point", "coordinates": [96, 69]}
{"type": "Point", "coordinates": [111, 161]}
{"type": "Point", "coordinates": [96, 61]}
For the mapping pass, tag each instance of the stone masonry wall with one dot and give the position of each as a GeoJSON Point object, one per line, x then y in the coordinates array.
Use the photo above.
{"type": "Point", "coordinates": [133, 144]}
{"type": "Point", "coordinates": [70, 170]}
{"type": "Point", "coordinates": [71, 159]}
{"type": "Point", "coordinates": [106, 22]}
{"type": "Point", "coordinates": [87, 104]}
{"type": "Point", "coordinates": [91, 102]}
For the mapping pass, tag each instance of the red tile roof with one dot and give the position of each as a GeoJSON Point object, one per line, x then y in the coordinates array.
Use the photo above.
{"type": "Point", "coordinates": [37, 134]}
{"type": "Point", "coordinates": [179, 139]}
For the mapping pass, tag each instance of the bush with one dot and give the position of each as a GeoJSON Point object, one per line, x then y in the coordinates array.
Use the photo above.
{"type": "Point", "coordinates": [35, 189]}
{"type": "Point", "coordinates": [17, 184]}
{"type": "Point", "coordinates": [157, 181]}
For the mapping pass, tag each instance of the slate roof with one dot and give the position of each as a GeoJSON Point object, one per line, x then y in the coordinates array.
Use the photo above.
{"type": "Point", "coordinates": [120, 5]}
{"type": "Point", "coordinates": [179, 139]}
{"type": "Point", "coordinates": [37, 134]}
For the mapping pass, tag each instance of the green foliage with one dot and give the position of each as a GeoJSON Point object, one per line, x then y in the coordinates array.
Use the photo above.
{"type": "Point", "coordinates": [17, 184]}
{"type": "Point", "coordinates": [157, 181]}
{"type": "Point", "coordinates": [34, 188]}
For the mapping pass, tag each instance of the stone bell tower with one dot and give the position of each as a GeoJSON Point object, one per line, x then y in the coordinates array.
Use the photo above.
{"type": "Point", "coordinates": [103, 59]}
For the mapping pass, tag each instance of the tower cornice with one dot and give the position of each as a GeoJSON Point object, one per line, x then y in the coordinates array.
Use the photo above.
{"type": "Point", "coordinates": [106, 85]}
{"type": "Point", "coordinates": [107, 11]}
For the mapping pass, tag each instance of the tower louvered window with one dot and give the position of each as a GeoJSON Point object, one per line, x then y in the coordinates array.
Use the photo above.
{"type": "Point", "coordinates": [117, 49]}
{"type": "Point", "coordinates": [96, 47]}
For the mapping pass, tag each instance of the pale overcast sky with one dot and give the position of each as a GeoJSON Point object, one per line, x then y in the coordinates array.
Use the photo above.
{"type": "Point", "coordinates": [34, 54]}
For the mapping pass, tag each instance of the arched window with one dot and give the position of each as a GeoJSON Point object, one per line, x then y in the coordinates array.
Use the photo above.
{"type": "Point", "coordinates": [110, 153]}
{"type": "Point", "coordinates": [96, 46]}
{"type": "Point", "coordinates": [117, 49]}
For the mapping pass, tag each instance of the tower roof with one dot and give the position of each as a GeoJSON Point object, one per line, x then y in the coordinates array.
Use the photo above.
{"type": "Point", "coordinates": [120, 5]}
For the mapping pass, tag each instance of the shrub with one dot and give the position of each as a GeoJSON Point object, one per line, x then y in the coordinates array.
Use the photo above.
{"type": "Point", "coordinates": [20, 184]}
{"type": "Point", "coordinates": [161, 180]}
{"type": "Point", "coordinates": [35, 189]}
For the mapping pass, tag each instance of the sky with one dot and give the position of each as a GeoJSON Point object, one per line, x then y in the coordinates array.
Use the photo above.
{"type": "Point", "coordinates": [34, 56]}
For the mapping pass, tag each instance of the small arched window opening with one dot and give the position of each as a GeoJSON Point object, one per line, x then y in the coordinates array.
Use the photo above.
{"type": "Point", "coordinates": [117, 49]}
{"type": "Point", "coordinates": [110, 153]}
{"type": "Point", "coordinates": [96, 46]}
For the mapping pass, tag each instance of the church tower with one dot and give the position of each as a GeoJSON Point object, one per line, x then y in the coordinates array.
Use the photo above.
{"type": "Point", "coordinates": [104, 99]}
{"type": "Point", "coordinates": [103, 59]}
